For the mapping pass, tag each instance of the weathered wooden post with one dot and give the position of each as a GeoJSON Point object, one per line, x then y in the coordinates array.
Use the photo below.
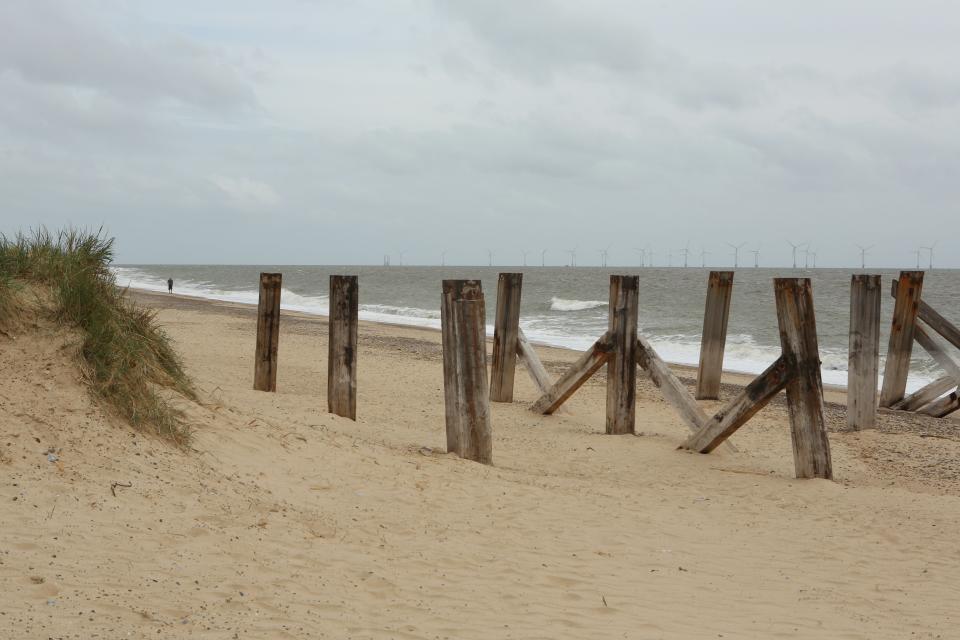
{"type": "Point", "coordinates": [453, 290]}
{"type": "Point", "coordinates": [342, 347]}
{"type": "Point", "coordinates": [798, 340]}
{"type": "Point", "coordinates": [713, 342]}
{"type": "Point", "coordinates": [506, 335]}
{"type": "Point", "coordinates": [473, 403]}
{"type": "Point", "coordinates": [863, 367]}
{"type": "Point", "coordinates": [268, 333]}
{"type": "Point", "coordinates": [905, 309]}
{"type": "Point", "coordinates": [621, 366]}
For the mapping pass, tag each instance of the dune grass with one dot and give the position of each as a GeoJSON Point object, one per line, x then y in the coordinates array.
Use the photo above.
{"type": "Point", "coordinates": [8, 301]}
{"type": "Point", "coordinates": [125, 357]}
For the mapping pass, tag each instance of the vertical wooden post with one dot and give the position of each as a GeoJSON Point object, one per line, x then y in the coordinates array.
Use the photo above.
{"type": "Point", "coordinates": [476, 437]}
{"type": "Point", "coordinates": [798, 339]}
{"type": "Point", "coordinates": [268, 333]}
{"type": "Point", "coordinates": [863, 366]}
{"type": "Point", "coordinates": [895, 372]}
{"type": "Point", "coordinates": [342, 347]}
{"type": "Point", "coordinates": [622, 365]}
{"type": "Point", "coordinates": [453, 290]}
{"type": "Point", "coordinates": [506, 334]}
{"type": "Point", "coordinates": [713, 342]}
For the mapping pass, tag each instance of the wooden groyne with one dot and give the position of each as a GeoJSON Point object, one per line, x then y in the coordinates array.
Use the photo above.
{"type": "Point", "coordinates": [468, 390]}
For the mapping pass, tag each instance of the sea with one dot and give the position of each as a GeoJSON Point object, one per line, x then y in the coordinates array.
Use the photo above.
{"type": "Point", "coordinates": [567, 306]}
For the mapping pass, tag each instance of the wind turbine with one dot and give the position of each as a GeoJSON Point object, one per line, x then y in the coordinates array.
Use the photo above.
{"type": "Point", "coordinates": [795, 247]}
{"type": "Point", "coordinates": [806, 258]}
{"type": "Point", "coordinates": [524, 257]}
{"type": "Point", "coordinates": [863, 255]}
{"type": "Point", "coordinates": [543, 258]}
{"type": "Point", "coordinates": [573, 256]}
{"type": "Point", "coordinates": [401, 257]}
{"type": "Point", "coordinates": [703, 257]}
{"type": "Point", "coordinates": [643, 254]}
{"type": "Point", "coordinates": [490, 257]}
{"type": "Point", "coordinates": [917, 252]}
{"type": "Point", "coordinates": [736, 253]}
{"type": "Point", "coordinates": [443, 258]}
{"type": "Point", "coordinates": [604, 255]}
{"type": "Point", "coordinates": [930, 249]}
{"type": "Point", "coordinates": [814, 254]}
{"type": "Point", "coordinates": [756, 257]}
{"type": "Point", "coordinates": [686, 252]}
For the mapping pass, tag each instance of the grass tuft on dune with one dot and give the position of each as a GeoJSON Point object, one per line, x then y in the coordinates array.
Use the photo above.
{"type": "Point", "coordinates": [125, 357]}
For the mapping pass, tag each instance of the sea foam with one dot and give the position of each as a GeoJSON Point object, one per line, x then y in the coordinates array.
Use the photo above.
{"type": "Point", "coordinates": [560, 304]}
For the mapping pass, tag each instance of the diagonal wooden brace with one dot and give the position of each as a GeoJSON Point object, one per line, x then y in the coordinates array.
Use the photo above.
{"type": "Point", "coordinates": [926, 395]}
{"type": "Point", "coordinates": [588, 364]}
{"type": "Point", "coordinates": [740, 409]}
{"type": "Point", "coordinates": [925, 337]}
{"type": "Point", "coordinates": [673, 390]}
{"type": "Point", "coordinates": [942, 407]}
{"type": "Point", "coordinates": [538, 373]}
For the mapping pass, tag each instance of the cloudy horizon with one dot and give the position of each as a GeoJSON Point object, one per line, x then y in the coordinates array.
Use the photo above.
{"type": "Point", "coordinates": [333, 132]}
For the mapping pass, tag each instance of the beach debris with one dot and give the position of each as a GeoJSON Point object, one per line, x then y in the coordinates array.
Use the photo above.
{"type": "Point", "coordinates": [52, 457]}
{"type": "Point", "coordinates": [426, 451]}
{"type": "Point", "coordinates": [115, 485]}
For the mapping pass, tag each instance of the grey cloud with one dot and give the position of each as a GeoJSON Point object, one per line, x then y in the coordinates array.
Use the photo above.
{"type": "Point", "coordinates": [546, 38]}
{"type": "Point", "coordinates": [912, 88]}
{"type": "Point", "coordinates": [543, 36]}
{"type": "Point", "coordinates": [56, 43]}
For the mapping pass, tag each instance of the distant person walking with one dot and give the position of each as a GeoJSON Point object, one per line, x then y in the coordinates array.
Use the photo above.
{"type": "Point", "coordinates": [169, 285]}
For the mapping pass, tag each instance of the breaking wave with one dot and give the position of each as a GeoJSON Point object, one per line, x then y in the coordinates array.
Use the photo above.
{"type": "Point", "coordinates": [561, 304]}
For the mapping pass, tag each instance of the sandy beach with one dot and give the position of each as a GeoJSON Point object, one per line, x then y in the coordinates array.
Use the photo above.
{"type": "Point", "coordinates": [282, 521]}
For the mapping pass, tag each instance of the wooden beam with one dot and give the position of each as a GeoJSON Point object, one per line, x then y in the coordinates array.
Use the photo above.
{"type": "Point", "coordinates": [798, 342]}
{"type": "Point", "coordinates": [505, 334]}
{"type": "Point", "coordinates": [927, 394]}
{"type": "Point", "coordinates": [941, 325]}
{"type": "Point", "coordinates": [268, 332]}
{"type": "Point", "coordinates": [714, 339]}
{"type": "Point", "coordinates": [943, 406]}
{"type": "Point", "coordinates": [900, 347]}
{"type": "Point", "coordinates": [578, 373]}
{"type": "Point", "coordinates": [531, 361]}
{"type": "Point", "coordinates": [621, 366]}
{"type": "Point", "coordinates": [740, 409]}
{"type": "Point", "coordinates": [453, 290]}
{"type": "Point", "coordinates": [947, 330]}
{"type": "Point", "coordinates": [476, 436]}
{"type": "Point", "coordinates": [925, 337]}
{"type": "Point", "coordinates": [674, 392]}
{"type": "Point", "coordinates": [863, 368]}
{"type": "Point", "coordinates": [342, 346]}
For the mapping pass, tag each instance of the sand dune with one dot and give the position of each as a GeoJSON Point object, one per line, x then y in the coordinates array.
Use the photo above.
{"type": "Point", "coordinates": [286, 522]}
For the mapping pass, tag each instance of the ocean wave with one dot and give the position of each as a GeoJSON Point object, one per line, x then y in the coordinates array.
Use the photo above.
{"type": "Point", "coordinates": [389, 310]}
{"type": "Point", "coordinates": [561, 304]}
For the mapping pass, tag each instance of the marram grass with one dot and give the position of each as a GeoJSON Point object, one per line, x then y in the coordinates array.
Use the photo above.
{"type": "Point", "coordinates": [125, 357]}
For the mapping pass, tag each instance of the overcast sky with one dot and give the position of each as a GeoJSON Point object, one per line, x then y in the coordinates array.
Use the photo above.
{"type": "Point", "coordinates": [330, 131]}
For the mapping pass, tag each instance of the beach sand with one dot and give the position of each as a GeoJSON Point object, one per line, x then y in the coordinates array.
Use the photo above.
{"type": "Point", "coordinates": [283, 521]}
